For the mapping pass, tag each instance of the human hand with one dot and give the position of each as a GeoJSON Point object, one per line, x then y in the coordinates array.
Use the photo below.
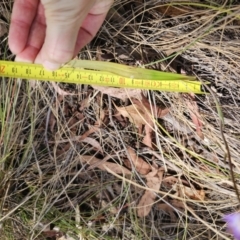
{"type": "Point", "coordinates": [52, 32]}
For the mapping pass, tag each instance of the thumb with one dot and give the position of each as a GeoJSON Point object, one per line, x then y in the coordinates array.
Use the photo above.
{"type": "Point", "coordinates": [63, 20]}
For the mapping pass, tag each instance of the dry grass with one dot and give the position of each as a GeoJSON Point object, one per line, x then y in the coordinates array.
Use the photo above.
{"type": "Point", "coordinates": [45, 183]}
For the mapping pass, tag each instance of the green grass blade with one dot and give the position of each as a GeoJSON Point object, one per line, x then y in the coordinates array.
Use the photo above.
{"type": "Point", "coordinates": [128, 71]}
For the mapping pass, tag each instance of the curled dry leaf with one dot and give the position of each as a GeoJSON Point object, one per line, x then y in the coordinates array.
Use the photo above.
{"type": "Point", "coordinates": [145, 204]}
{"type": "Point", "coordinates": [137, 162]}
{"type": "Point", "coordinates": [52, 118]}
{"type": "Point", "coordinates": [103, 165]}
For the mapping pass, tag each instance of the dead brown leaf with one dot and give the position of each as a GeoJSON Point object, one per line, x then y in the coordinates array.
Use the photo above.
{"type": "Point", "coordinates": [147, 139]}
{"type": "Point", "coordinates": [52, 121]}
{"type": "Point", "coordinates": [171, 180]}
{"type": "Point", "coordinates": [154, 180]}
{"type": "Point", "coordinates": [102, 116]}
{"type": "Point", "coordinates": [195, 115]}
{"type": "Point", "coordinates": [139, 113]}
{"type": "Point", "coordinates": [73, 124]}
{"type": "Point", "coordinates": [116, 168]}
{"type": "Point", "coordinates": [134, 113]}
{"type": "Point", "coordinates": [103, 165]}
{"type": "Point", "coordinates": [168, 209]}
{"type": "Point", "coordinates": [92, 129]}
{"type": "Point", "coordinates": [93, 142]}
{"type": "Point", "coordinates": [157, 113]}
{"type": "Point", "coordinates": [100, 112]}
{"type": "Point", "coordinates": [121, 120]}
{"type": "Point", "coordinates": [183, 191]}
{"type": "Point", "coordinates": [178, 204]}
{"type": "Point", "coordinates": [139, 117]}
{"type": "Point", "coordinates": [63, 149]}
{"type": "Point", "coordinates": [137, 162]}
{"type": "Point", "coordinates": [85, 103]}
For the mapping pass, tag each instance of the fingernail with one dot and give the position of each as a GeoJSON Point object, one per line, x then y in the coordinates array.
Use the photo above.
{"type": "Point", "coordinates": [51, 65]}
{"type": "Point", "coordinates": [19, 59]}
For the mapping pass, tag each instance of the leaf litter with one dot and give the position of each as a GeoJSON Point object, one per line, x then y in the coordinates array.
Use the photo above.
{"type": "Point", "coordinates": [136, 162]}
{"type": "Point", "coordinates": [152, 157]}
{"type": "Point", "coordinates": [139, 113]}
{"type": "Point", "coordinates": [153, 181]}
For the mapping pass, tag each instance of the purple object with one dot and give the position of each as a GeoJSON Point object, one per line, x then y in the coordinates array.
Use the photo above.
{"type": "Point", "coordinates": [233, 224]}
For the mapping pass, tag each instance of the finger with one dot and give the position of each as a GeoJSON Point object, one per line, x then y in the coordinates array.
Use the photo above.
{"type": "Point", "coordinates": [92, 23]}
{"type": "Point", "coordinates": [35, 39]}
{"type": "Point", "coordinates": [63, 21]}
{"type": "Point", "coordinates": [21, 21]}
{"type": "Point", "coordinates": [87, 32]}
{"type": "Point", "coordinates": [101, 7]}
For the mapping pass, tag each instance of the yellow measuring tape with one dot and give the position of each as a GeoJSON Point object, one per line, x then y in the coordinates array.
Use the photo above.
{"type": "Point", "coordinates": [75, 75]}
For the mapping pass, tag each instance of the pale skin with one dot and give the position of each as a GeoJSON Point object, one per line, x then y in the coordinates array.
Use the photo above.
{"type": "Point", "coordinates": [52, 32]}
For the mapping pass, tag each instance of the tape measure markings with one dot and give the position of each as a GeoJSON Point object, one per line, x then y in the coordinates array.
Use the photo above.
{"type": "Point", "coordinates": [93, 77]}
